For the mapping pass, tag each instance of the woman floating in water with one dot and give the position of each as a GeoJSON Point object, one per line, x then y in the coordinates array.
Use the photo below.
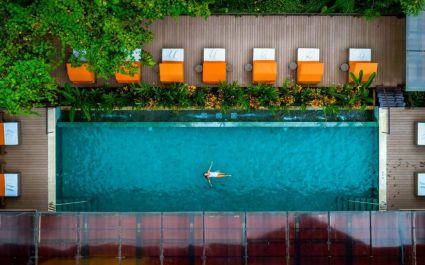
{"type": "Point", "coordinates": [214, 174]}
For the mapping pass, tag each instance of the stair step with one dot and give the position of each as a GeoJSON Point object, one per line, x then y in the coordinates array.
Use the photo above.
{"type": "Point", "coordinates": [389, 93]}
{"type": "Point", "coordinates": [390, 97]}
{"type": "Point", "coordinates": [357, 204]}
{"type": "Point", "coordinates": [391, 101]}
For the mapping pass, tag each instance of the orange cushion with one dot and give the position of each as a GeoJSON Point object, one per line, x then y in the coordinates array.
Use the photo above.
{"type": "Point", "coordinates": [213, 72]}
{"type": "Point", "coordinates": [309, 72]}
{"type": "Point", "coordinates": [80, 74]}
{"type": "Point", "coordinates": [1, 133]}
{"type": "Point", "coordinates": [264, 71]}
{"type": "Point", "coordinates": [128, 78]}
{"type": "Point", "coordinates": [171, 72]}
{"type": "Point", "coordinates": [367, 67]}
{"type": "Point", "coordinates": [2, 185]}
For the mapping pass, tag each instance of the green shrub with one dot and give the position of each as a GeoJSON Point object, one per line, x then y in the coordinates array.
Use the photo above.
{"type": "Point", "coordinates": [259, 6]}
{"type": "Point", "coordinates": [174, 96]}
{"type": "Point", "coordinates": [145, 95]}
{"type": "Point", "coordinates": [368, 8]}
{"type": "Point", "coordinates": [27, 84]}
{"type": "Point", "coordinates": [231, 95]}
{"type": "Point", "coordinates": [262, 96]}
{"type": "Point", "coordinates": [198, 96]}
{"type": "Point", "coordinates": [415, 99]}
{"type": "Point", "coordinates": [78, 99]}
{"type": "Point", "coordinates": [412, 7]}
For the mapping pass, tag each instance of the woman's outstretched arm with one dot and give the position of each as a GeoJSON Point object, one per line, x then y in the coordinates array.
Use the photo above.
{"type": "Point", "coordinates": [210, 166]}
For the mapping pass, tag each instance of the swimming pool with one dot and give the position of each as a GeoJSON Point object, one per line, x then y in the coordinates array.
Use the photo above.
{"type": "Point", "coordinates": [130, 166]}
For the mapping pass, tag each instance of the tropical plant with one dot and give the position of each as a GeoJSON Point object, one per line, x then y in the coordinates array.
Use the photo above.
{"type": "Point", "coordinates": [358, 80]}
{"type": "Point", "coordinates": [362, 93]}
{"type": "Point", "coordinates": [415, 99]}
{"type": "Point", "coordinates": [412, 7]}
{"type": "Point", "coordinates": [145, 95]}
{"type": "Point", "coordinates": [174, 96]}
{"type": "Point", "coordinates": [198, 96]}
{"type": "Point", "coordinates": [263, 95]}
{"type": "Point", "coordinates": [78, 99]}
{"type": "Point", "coordinates": [231, 95]}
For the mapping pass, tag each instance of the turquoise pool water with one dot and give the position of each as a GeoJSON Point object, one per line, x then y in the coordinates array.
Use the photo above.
{"type": "Point", "coordinates": [134, 167]}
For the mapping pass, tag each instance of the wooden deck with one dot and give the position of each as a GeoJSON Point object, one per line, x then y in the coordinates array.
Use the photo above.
{"type": "Point", "coordinates": [30, 159]}
{"type": "Point", "coordinates": [404, 158]}
{"type": "Point", "coordinates": [332, 34]}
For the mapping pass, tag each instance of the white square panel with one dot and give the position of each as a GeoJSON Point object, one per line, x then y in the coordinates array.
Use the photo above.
{"type": "Point", "coordinates": [11, 184]}
{"type": "Point", "coordinates": [173, 55]}
{"type": "Point", "coordinates": [11, 133]}
{"type": "Point", "coordinates": [420, 131]}
{"type": "Point", "coordinates": [420, 182]}
{"type": "Point", "coordinates": [359, 55]}
{"type": "Point", "coordinates": [264, 54]}
{"type": "Point", "coordinates": [214, 55]}
{"type": "Point", "coordinates": [308, 54]}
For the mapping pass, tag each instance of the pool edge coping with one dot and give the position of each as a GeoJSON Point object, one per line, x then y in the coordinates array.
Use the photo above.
{"type": "Point", "coordinates": [51, 159]}
{"type": "Point", "coordinates": [224, 124]}
{"type": "Point", "coordinates": [382, 181]}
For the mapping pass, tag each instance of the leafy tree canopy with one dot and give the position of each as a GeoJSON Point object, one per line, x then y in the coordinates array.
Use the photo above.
{"type": "Point", "coordinates": [36, 34]}
{"type": "Point", "coordinates": [412, 7]}
{"type": "Point", "coordinates": [368, 8]}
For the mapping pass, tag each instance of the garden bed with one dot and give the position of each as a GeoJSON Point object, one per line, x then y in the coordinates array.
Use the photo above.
{"type": "Point", "coordinates": [224, 97]}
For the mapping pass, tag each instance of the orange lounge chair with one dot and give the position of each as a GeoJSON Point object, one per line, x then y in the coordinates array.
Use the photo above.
{"type": "Point", "coordinates": [361, 60]}
{"type": "Point", "coordinates": [264, 66]}
{"type": "Point", "coordinates": [9, 184]}
{"type": "Point", "coordinates": [80, 74]}
{"type": "Point", "coordinates": [310, 69]}
{"type": "Point", "coordinates": [9, 133]}
{"type": "Point", "coordinates": [214, 66]}
{"type": "Point", "coordinates": [126, 77]}
{"type": "Point", "coordinates": [171, 70]}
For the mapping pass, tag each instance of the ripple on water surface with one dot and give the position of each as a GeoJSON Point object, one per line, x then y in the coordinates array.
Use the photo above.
{"type": "Point", "coordinates": [160, 169]}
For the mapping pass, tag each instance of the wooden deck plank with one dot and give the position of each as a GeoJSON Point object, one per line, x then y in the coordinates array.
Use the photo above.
{"type": "Point", "coordinates": [332, 34]}
{"type": "Point", "coordinates": [30, 159]}
{"type": "Point", "coordinates": [404, 158]}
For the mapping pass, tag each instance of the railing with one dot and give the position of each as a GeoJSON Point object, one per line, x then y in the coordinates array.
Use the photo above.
{"type": "Point", "coordinates": [213, 238]}
{"type": "Point", "coordinates": [82, 204]}
{"type": "Point", "coordinates": [357, 204]}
